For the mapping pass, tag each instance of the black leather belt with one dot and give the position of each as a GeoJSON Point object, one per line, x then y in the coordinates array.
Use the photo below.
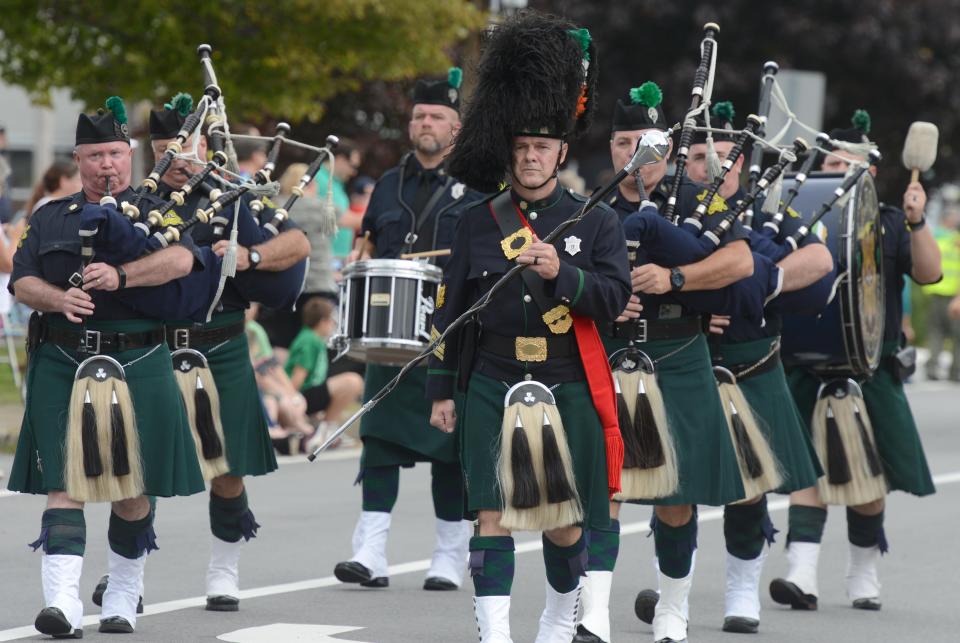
{"type": "Point", "coordinates": [747, 370]}
{"type": "Point", "coordinates": [190, 337]}
{"type": "Point", "coordinates": [529, 349]}
{"type": "Point", "coordinates": [648, 330]}
{"type": "Point", "coordinates": [100, 341]}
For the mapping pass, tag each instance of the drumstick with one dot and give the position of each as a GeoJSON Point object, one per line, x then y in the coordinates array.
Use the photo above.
{"type": "Point", "coordinates": [428, 253]}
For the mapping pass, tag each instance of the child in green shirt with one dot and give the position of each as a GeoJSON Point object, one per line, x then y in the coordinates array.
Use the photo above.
{"type": "Point", "coordinates": [307, 364]}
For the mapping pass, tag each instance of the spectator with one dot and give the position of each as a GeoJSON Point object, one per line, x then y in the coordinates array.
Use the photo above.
{"type": "Point", "coordinates": [6, 205]}
{"type": "Point", "coordinates": [347, 159]}
{"type": "Point", "coordinates": [61, 179]}
{"type": "Point", "coordinates": [940, 326]}
{"type": "Point", "coordinates": [360, 191]}
{"type": "Point", "coordinates": [251, 155]}
{"type": "Point", "coordinates": [284, 405]}
{"type": "Point", "coordinates": [307, 367]}
{"type": "Point", "coordinates": [283, 325]}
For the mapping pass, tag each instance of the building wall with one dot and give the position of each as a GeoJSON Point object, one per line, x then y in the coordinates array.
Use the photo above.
{"type": "Point", "coordinates": [35, 135]}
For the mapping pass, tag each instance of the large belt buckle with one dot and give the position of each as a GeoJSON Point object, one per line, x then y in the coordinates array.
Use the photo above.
{"type": "Point", "coordinates": [181, 338]}
{"type": "Point", "coordinates": [641, 331]}
{"type": "Point", "coordinates": [531, 349]}
{"type": "Point", "coordinates": [90, 342]}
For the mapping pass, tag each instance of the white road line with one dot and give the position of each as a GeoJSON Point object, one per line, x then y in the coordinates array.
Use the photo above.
{"type": "Point", "coordinates": [709, 515]}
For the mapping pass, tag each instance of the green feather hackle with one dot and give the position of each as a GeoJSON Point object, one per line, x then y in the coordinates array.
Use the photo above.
{"type": "Point", "coordinates": [115, 105]}
{"type": "Point", "coordinates": [647, 94]}
{"type": "Point", "coordinates": [861, 120]}
{"type": "Point", "coordinates": [181, 102]}
{"type": "Point", "coordinates": [455, 77]}
{"type": "Point", "coordinates": [723, 111]}
{"type": "Point", "coordinates": [582, 36]}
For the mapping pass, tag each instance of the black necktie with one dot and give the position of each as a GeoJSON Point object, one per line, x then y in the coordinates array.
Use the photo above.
{"type": "Point", "coordinates": [423, 193]}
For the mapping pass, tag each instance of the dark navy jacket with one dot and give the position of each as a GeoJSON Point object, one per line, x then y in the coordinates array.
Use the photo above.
{"type": "Point", "coordinates": [677, 304]}
{"type": "Point", "coordinates": [273, 289]}
{"type": "Point", "coordinates": [593, 281]}
{"type": "Point", "coordinates": [897, 265]}
{"type": "Point", "coordinates": [50, 249]}
{"type": "Point", "coordinates": [390, 218]}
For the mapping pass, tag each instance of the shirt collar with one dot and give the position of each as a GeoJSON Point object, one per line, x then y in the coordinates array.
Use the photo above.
{"type": "Point", "coordinates": [542, 204]}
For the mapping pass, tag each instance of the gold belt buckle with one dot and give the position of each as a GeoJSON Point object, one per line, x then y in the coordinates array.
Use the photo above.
{"type": "Point", "coordinates": [531, 349]}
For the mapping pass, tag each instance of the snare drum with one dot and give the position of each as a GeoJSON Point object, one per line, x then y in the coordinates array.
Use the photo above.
{"type": "Point", "coordinates": [846, 338]}
{"type": "Point", "coordinates": [386, 307]}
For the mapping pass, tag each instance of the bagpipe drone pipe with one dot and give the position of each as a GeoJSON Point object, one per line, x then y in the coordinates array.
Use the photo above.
{"type": "Point", "coordinates": [702, 82]}
{"type": "Point", "coordinates": [770, 69]}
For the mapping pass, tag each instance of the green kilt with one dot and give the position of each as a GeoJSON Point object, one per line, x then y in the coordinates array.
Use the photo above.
{"type": "Point", "coordinates": [776, 413]}
{"type": "Point", "coordinates": [480, 422]}
{"type": "Point", "coordinates": [898, 441]}
{"type": "Point", "coordinates": [397, 431]}
{"type": "Point", "coordinates": [246, 435]}
{"type": "Point", "coordinates": [170, 466]}
{"type": "Point", "coordinates": [707, 463]}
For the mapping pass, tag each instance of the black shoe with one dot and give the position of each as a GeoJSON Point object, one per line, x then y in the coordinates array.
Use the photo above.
{"type": "Point", "coordinates": [437, 584]}
{"type": "Point", "coordinates": [740, 624]}
{"type": "Point", "coordinates": [222, 604]}
{"type": "Point", "coordinates": [670, 640]}
{"type": "Point", "coordinates": [102, 587]}
{"type": "Point", "coordinates": [645, 605]}
{"type": "Point", "coordinates": [586, 636]}
{"type": "Point", "coordinates": [786, 593]}
{"type": "Point", "coordinates": [872, 604]}
{"type": "Point", "coordinates": [51, 621]}
{"type": "Point", "coordinates": [350, 571]}
{"type": "Point", "coordinates": [116, 625]}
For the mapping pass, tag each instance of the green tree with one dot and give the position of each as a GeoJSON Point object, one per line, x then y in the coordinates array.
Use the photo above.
{"type": "Point", "coordinates": [898, 60]}
{"type": "Point", "coordinates": [278, 59]}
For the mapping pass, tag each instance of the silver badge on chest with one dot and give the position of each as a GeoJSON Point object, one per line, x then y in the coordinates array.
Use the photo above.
{"type": "Point", "coordinates": [572, 245]}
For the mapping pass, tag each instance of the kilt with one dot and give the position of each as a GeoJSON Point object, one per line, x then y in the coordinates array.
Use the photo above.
{"type": "Point", "coordinates": [170, 466]}
{"type": "Point", "coordinates": [895, 431]}
{"type": "Point", "coordinates": [397, 431]}
{"type": "Point", "coordinates": [776, 413]}
{"type": "Point", "coordinates": [480, 423]}
{"type": "Point", "coordinates": [246, 435]}
{"type": "Point", "coordinates": [708, 469]}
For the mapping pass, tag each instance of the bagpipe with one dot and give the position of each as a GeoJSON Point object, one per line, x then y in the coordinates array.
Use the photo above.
{"type": "Point", "coordinates": [662, 242]}
{"type": "Point", "coordinates": [123, 235]}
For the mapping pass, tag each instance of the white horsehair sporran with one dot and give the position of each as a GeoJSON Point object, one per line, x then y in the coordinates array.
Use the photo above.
{"type": "Point", "coordinates": [650, 458]}
{"type": "Point", "coordinates": [199, 393]}
{"type": "Point", "coordinates": [102, 445]}
{"type": "Point", "coordinates": [535, 468]}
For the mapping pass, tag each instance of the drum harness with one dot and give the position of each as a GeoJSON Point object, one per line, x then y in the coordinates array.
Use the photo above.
{"type": "Point", "coordinates": [417, 222]}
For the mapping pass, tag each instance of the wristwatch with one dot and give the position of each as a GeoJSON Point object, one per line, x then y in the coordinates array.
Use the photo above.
{"type": "Point", "coordinates": [122, 275]}
{"type": "Point", "coordinates": [913, 227]}
{"type": "Point", "coordinates": [254, 259]}
{"type": "Point", "coordinates": [677, 279]}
